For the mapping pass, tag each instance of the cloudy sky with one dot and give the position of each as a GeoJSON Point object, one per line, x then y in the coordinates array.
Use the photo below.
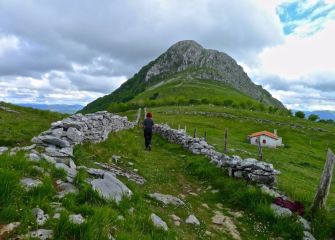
{"type": "Point", "coordinates": [61, 51]}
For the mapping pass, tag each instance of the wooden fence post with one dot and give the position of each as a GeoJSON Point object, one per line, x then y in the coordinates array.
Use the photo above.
{"type": "Point", "coordinates": [325, 182]}
{"type": "Point", "coordinates": [260, 152]}
{"type": "Point", "coordinates": [185, 130]}
{"type": "Point", "coordinates": [225, 139]}
{"type": "Point", "coordinates": [195, 133]}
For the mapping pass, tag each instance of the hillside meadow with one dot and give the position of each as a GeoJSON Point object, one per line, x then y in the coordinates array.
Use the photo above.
{"type": "Point", "coordinates": [300, 161]}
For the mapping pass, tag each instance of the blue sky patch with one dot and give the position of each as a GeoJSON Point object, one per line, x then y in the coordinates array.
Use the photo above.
{"type": "Point", "coordinates": [297, 13]}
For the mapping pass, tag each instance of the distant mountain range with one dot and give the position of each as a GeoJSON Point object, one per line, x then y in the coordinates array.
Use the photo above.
{"type": "Point", "coordinates": [62, 108]}
{"type": "Point", "coordinates": [323, 114]}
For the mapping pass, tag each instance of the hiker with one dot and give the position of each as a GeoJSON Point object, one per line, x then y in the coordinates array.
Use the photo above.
{"type": "Point", "coordinates": [148, 125]}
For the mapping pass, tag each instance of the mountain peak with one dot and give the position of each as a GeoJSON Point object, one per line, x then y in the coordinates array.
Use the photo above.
{"type": "Point", "coordinates": [185, 45]}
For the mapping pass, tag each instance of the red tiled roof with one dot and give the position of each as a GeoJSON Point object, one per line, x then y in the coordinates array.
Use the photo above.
{"type": "Point", "coordinates": [264, 133]}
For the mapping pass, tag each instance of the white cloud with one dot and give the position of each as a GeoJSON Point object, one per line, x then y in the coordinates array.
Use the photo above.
{"type": "Point", "coordinates": [8, 43]}
{"type": "Point", "coordinates": [299, 57]}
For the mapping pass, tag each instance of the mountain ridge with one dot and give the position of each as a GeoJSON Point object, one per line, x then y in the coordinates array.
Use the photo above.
{"type": "Point", "coordinates": [181, 57]}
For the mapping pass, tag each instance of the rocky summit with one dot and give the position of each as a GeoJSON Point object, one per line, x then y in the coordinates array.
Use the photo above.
{"type": "Point", "coordinates": [209, 64]}
{"type": "Point", "coordinates": [187, 60]}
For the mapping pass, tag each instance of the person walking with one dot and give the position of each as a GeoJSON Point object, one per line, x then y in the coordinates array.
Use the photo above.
{"type": "Point", "coordinates": [148, 124]}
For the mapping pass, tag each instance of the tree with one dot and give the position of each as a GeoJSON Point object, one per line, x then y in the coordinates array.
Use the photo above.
{"type": "Point", "coordinates": [300, 114]}
{"type": "Point", "coordinates": [313, 117]}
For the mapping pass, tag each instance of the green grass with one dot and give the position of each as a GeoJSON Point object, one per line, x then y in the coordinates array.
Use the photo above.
{"type": "Point", "coordinates": [169, 169]}
{"type": "Point", "coordinates": [301, 161]}
{"type": "Point", "coordinates": [16, 129]}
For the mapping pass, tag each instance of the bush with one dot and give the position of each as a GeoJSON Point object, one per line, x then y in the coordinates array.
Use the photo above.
{"type": "Point", "coordinates": [313, 117]}
{"type": "Point", "coordinates": [300, 114]}
{"type": "Point", "coordinates": [228, 103]}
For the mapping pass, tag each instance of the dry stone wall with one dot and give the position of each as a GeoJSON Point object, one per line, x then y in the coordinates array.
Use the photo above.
{"type": "Point", "coordinates": [57, 142]}
{"type": "Point", "coordinates": [249, 169]}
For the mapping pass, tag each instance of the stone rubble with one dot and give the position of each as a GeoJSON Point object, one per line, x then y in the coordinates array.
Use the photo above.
{"type": "Point", "coordinates": [130, 175]}
{"type": "Point", "coordinates": [158, 222]}
{"type": "Point", "coordinates": [249, 169]}
{"type": "Point", "coordinates": [167, 199]}
{"type": "Point", "coordinates": [225, 223]}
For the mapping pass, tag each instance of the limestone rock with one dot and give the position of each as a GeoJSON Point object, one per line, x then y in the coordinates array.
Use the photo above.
{"type": "Point", "coordinates": [66, 188]}
{"type": "Point", "coordinates": [71, 172]}
{"type": "Point", "coordinates": [33, 157]}
{"type": "Point", "coordinates": [192, 220]}
{"type": "Point", "coordinates": [29, 183]}
{"type": "Point", "coordinates": [74, 134]}
{"type": "Point", "coordinates": [41, 218]}
{"type": "Point", "coordinates": [167, 199]}
{"type": "Point", "coordinates": [6, 229]}
{"type": "Point", "coordinates": [265, 189]}
{"type": "Point", "coordinates": [76, 218]}
{"type": "Point", "coordinates": [3, 149]}
{"type": "Point", "coordinates": [48, 139]}
{"type": "Point", "coordinates": [304, 223]}
{"type": "Point", "coordinates": [42, 234]}
{"type": "Point", "coordinates": [308, 236]}
{"type": "Point", "coordinates": [227, 224]}
{"type": "Point", "coordinates": [280, 211]}
{"type": "Point", "coordinates": [111, 188]}
{"type": "Point", "coordinates": [158, 222]}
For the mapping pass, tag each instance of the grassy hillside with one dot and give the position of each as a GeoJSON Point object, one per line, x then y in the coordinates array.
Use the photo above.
{"type": "Point", "coordinates": [173, 89]}
{"type": "Point", "coordinates": [18, 126]}
{"type": "Point", "coordinates": [168, 169]}
{"type": "Point", "coordinates": [301, 161]}
{"type": "Point", "coordinates": [181, 89]}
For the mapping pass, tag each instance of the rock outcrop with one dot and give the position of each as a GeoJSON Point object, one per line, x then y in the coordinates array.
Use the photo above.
{"type": "Point", "coordinates": [249, 169]}
{"type": "Point", "coordinates": [208, 64]}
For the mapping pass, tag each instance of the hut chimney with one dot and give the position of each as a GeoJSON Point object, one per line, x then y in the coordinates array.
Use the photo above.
{"type": "Point", "coordinates": [275, 132]}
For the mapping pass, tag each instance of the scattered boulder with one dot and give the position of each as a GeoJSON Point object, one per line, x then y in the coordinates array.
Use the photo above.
{"type": "Point", "coordinates": [65, 188]}
{"type": "Point", "coordinates": [76, 219]}
{"type": "Point", "coordinates": [41, 218]}
{"type": "Point", "coordinates": [111, 188]}
{"type": "Point", "coordinates": [158, 222]}
{"type": "Point", "coordinates": [42, 234]}
{"type": "Point", "coordinates": [167, 199]}
{"type": "Point", "coordinates": [8, 228]}
{"type": "Point", "coordinates": [176, 219]}
{"type": "Point", "coordinates": [29, 183]}
{"type": "Point", "coordinates": [227, 224]}
{"type": "Point", "coordinates": [192, 220]}
{"type": "Point", "coordinates": [3, 149]}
